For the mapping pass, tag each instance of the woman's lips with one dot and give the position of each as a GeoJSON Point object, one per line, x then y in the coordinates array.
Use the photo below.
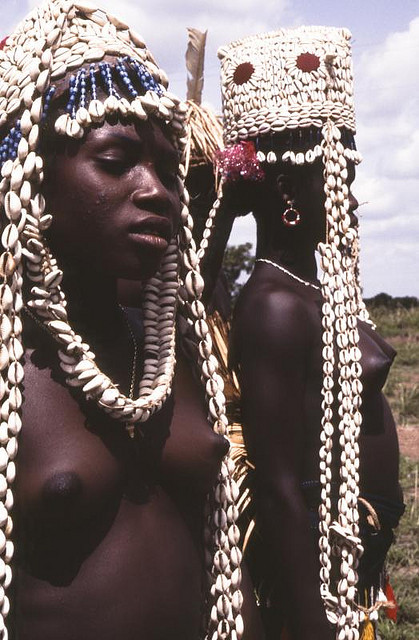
{"type": "Point", "coordinates": [150, 240]}
{"type": "Point", "coordinates": [152, 231]}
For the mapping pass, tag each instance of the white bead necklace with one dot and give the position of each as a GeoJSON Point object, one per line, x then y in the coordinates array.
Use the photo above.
{"type": "Point", "coordinates": [289, 273]}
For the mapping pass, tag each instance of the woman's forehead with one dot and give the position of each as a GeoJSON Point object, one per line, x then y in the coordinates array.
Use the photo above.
{"type": "Point", "coordinates": [134, 133]}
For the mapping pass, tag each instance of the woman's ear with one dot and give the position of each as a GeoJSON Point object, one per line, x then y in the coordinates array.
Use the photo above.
{"type": "Point", "coordinates": [285, 184]}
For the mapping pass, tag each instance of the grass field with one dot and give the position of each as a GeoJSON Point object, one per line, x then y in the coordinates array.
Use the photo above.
{"type": "Point", "coordinates": [401, 328]}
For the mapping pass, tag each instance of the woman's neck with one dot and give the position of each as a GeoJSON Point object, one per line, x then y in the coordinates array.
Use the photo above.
{"type": "Point", "coordinates": [92, 305]}
{"type": "Point", "coordinates": [293, 249]}
{"type": "Point", "coordinates": [300, 261]}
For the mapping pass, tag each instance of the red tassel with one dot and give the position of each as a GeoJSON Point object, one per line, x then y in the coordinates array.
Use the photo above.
{"type": "Point", "coordinates": [391, 611]}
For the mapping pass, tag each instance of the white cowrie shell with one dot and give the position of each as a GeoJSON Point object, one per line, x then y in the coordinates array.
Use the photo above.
{"type": "Point", "coordinates": [109, 396]}
{"type": "Point", "coordinates": [59, 326]}
{"type": "Point", "coordinates": [33, 137]}
{"type": "Point", "coordinates": [16, 178]}
{"type": "Point", "coordinates": [138, 109]}
{"type": "Point", "coordinates": [15, 373]}
{"type": "Point", "coordinates": [53, 278]}
{"type": "Point", "coordinates": [36, 110]}
{"type": "Point", "coordinates": [25, 193]}
{"type": "Point", "coordinates": [43, 81]}
{"type": "Point", "coordinates": [83, 117]}
{"type": "Point", "coordinates": [15, 348]}
{"type": "Point", "coordinates": [4, 356]}
{"type": "Point", "coordinates": [29, 164]}
{"type": "Point", "coordinates": [10, 235]}
{"type": "Point", "coordinates": [83, 365]}
{"type": "Point", "coordinates": [26, 122]}
{"type": "Point", "coordinates": [6, 296]}
{"type": "Point", "coordinates": [7, 169]}
{"type": "Point", "coordinates": [93, 384]}
{"type": "Point", "coordinates": [73, 129]}
{"type": "Point", "coordinates": [22, 149]}
{"type": "Point", "coordinates": [96, 111]}
{"type": "Point", "coordinates": [111, 104]}
{"type": "Point", "coordinates": [93, 54]}
{"type": "Point", "coordinates": [12, 205]}
{"type": "Point", "coordinates": [61, 124]}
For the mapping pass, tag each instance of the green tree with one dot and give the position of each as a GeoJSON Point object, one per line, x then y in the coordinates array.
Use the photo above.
{"type": "Point", "coordinates": [238, 260]}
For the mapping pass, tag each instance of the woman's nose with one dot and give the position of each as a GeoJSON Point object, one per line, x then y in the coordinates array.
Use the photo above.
{"type": "Point", "coordinates": [353, 206]}
{"type": "Point", "coordinates": [353, 202]}
{"type": "Point", "coordinates": [149, 191]}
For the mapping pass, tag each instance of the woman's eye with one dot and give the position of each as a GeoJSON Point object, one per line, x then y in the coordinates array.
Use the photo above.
{"type": "Point", "coordinates": [168, 173]}
{"type": "Point", "coordinates": [169, 178]}
{"type": "Point", "coordinates": [114, 165]}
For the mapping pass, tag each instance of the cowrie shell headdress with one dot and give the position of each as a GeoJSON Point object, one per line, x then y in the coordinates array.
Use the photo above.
{"type": "Point", "coordinates": [291, 80]}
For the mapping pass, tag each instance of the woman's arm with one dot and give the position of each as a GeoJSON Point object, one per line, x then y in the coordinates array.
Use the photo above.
{"type": "Point", "coordinates": [271, 336]}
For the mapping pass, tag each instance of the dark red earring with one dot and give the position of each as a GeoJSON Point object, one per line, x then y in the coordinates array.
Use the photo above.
{"type": "Point", "coordinates": [291, 216]}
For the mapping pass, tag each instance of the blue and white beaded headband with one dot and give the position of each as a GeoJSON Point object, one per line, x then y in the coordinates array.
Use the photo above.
{"type": "Point", "coordinates": [126, 77]}
{"type": "Point", "coordinates": [293, 81]}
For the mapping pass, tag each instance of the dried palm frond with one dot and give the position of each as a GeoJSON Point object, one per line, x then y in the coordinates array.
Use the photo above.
{"type": "Point", "coordinates": [205, 134]}
{"type": "Point", "coordinates": [195, 56]}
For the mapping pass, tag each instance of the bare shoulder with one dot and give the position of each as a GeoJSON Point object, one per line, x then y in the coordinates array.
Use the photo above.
{"type": "Point", "coordinates": [268, 314]}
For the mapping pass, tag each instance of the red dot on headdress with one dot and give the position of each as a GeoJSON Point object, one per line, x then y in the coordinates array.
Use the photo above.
{"type": "Point", "coordinates": [243, 72]}
{"type": "Point", "coordinates": [3, 42]}
{"type": "Point", "coordinates": [308, 62]}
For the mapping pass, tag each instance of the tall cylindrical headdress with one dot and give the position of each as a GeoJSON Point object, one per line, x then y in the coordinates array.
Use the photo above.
{"type": "Point", "coordinates": [297, 81]}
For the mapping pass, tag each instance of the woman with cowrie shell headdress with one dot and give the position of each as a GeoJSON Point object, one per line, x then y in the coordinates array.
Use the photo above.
{"type": "Point", "coordinates": [318, 431]}
{"type": "Point", "coordinates": [102, 491]}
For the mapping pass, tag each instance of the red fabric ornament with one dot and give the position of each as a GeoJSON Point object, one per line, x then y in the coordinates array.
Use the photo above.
{"type": "Point", "coordinates": [3, 42]}
{"type": "Point", "coordinates": [391, 612]}
{"type": "Point", "coordinates": [243, 72]}
{"type": "Point", "coordinates": [239, 162]}
{"type": "Point", "coordinates": [308, 62]}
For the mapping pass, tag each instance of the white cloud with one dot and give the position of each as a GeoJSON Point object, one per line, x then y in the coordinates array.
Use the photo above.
{"type": "Point", "coordinates": [387, 100]}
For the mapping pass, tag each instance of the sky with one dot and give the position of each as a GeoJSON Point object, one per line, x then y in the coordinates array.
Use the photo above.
{"type": "Point", "coordinates": [386, 68]}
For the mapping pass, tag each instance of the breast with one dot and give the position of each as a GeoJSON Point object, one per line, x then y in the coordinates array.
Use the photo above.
{"type": "Point", "coordinates": [377, 358]}
{"type": "Point", "coordinates": [67, 471]}
{"type": "Point", "coordinates": [193, 452]}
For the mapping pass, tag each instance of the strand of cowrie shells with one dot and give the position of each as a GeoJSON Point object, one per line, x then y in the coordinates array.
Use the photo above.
{"type": "Point", "coordinates": [11, 369]}
{"type": "Point", "coordinates": [209, 223]}
{"type": "Point", "coordinates": [340, 327]}
{"type": "Point", "coordinates": [363, 313]}
{"type": "Point", "coordinates": [222, 535]}
{"type": "Point", "coordinates": [76, 357]}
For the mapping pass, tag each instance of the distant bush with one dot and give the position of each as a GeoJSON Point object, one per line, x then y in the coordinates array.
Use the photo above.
{"type": "Point", "coordinates": [387, 301]}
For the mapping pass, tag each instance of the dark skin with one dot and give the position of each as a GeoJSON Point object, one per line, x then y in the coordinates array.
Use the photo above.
{"type": "Point", "coordinates": [109, 530]}
{"type": "Point", "coordinates": [200, 183]}
{"type": "Point", "coordinates": [276, 349]}
{"type": "Point", "coordinates": [179, 468]}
